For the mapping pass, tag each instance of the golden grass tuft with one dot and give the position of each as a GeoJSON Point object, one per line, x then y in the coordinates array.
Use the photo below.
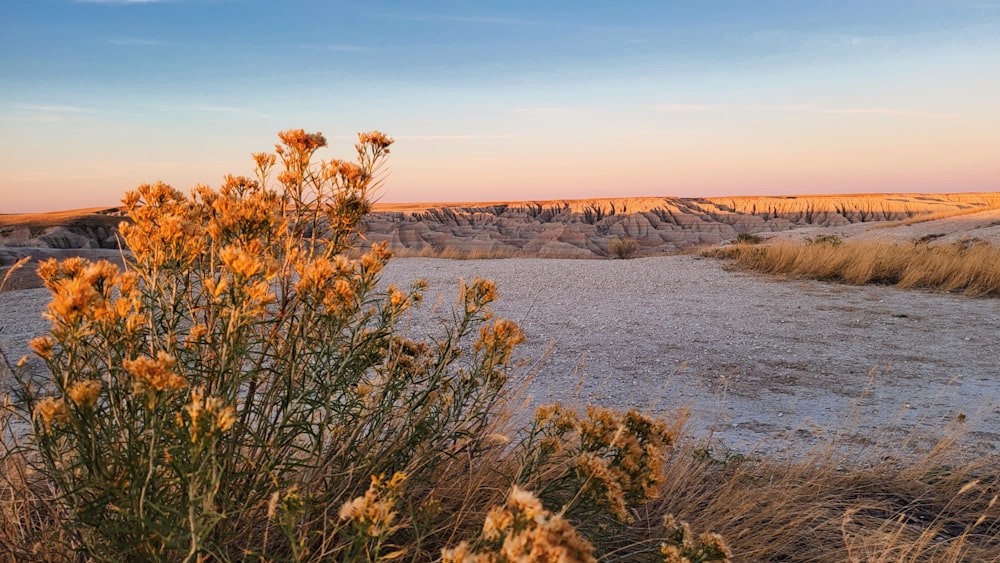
{"type": "Point", "coordinates": [968, 267]}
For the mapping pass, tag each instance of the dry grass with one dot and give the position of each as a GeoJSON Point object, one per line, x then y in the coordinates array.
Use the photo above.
{"type": "Point", "coordinates": [829, 507]}
{"type": "Point", "coordinates": [821, 506]}
{"type": "Point", "coordinates": [968, 267]}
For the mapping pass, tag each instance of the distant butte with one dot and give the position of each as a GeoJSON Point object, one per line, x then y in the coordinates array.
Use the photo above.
{"type": "Point", "coordinates": [570, 228]}
{"type": "Point", "coordinates": [584, 228]}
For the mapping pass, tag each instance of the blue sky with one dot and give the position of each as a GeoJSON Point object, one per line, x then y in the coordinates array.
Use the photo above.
{"type": "Point", "coordinates": [504, 100]}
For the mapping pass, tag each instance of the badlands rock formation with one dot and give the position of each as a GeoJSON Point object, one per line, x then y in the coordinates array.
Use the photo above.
{"type": "Point", "coordinates": [584, 228]}
{"type": "Point", "coordinates": [560, 229]}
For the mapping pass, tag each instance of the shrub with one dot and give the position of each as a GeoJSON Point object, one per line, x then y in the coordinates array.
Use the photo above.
{"type": "Point", "coordinates": [623, 247]}
{"type": "Point", "coordinates": [748, 238]}
{"type": "Point", "coordinates": [242, 389]}
{"type": "Point", "coordinates": [241, 371]}
{"type": "Point", "coordinates": [831, 240]}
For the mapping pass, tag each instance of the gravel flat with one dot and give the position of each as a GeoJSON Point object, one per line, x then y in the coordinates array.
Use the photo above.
{"type": "Point", "coordinates": [767, 364]}
{"type": "Point", "coordinates": [763, 364]}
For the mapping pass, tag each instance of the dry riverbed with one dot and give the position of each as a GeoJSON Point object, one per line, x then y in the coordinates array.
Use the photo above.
{"type": "Point", "coordinates": [766, 364]}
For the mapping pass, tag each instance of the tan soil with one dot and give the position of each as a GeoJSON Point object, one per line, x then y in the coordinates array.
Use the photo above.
{"type": "Point", "coordinates": [763, 363]}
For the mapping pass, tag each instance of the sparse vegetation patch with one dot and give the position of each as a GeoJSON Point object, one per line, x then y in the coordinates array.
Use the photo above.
{"type": "Point", "coordinates": [623, 247]}
{"type": "Point", "coordinates": [971, 268]}
{"type": "Point", "coordinates": [748, 238]}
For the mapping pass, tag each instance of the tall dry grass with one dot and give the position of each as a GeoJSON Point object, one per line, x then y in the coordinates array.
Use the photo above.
{"type": "Point", "coordinates": [971, 268]}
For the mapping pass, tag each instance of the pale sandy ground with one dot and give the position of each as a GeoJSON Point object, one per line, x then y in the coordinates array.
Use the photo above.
{"type": "Point", "coordinates": [763, 363]}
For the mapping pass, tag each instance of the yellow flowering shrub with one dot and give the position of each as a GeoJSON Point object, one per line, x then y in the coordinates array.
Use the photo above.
{"type": "Point", "coordinates": [241, 388]}
{"type": "Point", "coordinates": [597, 465]}
{"type": "Point", "coordinates": [240, 357]}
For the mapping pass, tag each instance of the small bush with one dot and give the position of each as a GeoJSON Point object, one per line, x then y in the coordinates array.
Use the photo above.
{"type": "Point", "coordinates": [748, 238]}
{"type": "Point", "coordinates": [830, 240]}
{"type": "Point", "coordinates": [242, 389]}
{"type": "Point", "coordinates": [241, 376]}
{"type": "Point", "coordinates": [623, 247]}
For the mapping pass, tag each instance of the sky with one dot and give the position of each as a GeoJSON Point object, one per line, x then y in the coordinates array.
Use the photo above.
{"type": "Point", "coordinates": [504, 100]}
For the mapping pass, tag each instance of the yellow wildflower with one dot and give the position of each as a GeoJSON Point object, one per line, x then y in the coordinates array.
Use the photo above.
{"type": "Point", "coordinates": [216, 417]}
{"type": "Point", "coordinates": [84, 393]}
{"type": "Point", "coordinates": [156, 373]}
{"type": "Point", "coordinates": [375, 511]}
{"type": "Point", "coordinates": [241, 262]}
{"type": "Point", "coordinates": [525, 503]}
{"type": "Point", "coordinates": [299, 140]}
{"type": "Point", "coordinates": [71, 300]}
{"type": "Point", "coordinates": [51, 410]}
{"type": "Point", "coordinates": [377, 139]}
{"type": "Point", "coordinates": [263, 160]}
{"type": "Point", "coordinates": [43, 346]}
{"type": "Point", "coordinates": [497, 522]}
{"type": "Point", "coordinates": [396, 297]}
{"type": "Point", "coordinates": [225, 418]}
{"type": "Point", "coordinates": [499, 339]}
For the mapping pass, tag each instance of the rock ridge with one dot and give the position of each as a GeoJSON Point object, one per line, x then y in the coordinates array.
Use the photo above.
{"type": "Point", "coordinates": [552, 228]}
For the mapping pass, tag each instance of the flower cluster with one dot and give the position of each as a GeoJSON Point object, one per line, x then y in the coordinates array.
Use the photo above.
{"type": "Point", "coordinates": [614, 460]}
{"type": "Point", "coordinates": [523, 531]}
{"type": "Point", "coordinates": [375, 512]}
{"type": "Point", "coordinates": [165, 230]}
{"type": "Point", "coordinates": [84, 392]}
{"type": "Point", "coordinates": [156, 374]}
{"type": "Point", "coordinates": [207, 415]}
{"type": "Point", "coordinates": [478, 294]}
{"type": "Point", "coordinates": [681, 546]}
{"type": "Point", "coordinates": [497, 340]}
{"type": "Point", "coordinates": [86, 292]}
{"type": "Point", "coordinates": [51, 410]}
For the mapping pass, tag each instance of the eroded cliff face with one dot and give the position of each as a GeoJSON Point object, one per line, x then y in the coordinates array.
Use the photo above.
{"type": "Point", "coordinates": [585, 228]}
{"type": "Point", "coordinates": [80, 229]}
{"type": "Point", "coordinates": [564, 228]}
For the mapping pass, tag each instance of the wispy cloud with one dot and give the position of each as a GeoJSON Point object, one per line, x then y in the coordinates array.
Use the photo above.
{"type": "Point", "coordinates": [489, 20]}
{"type": "Point", "coordinates": [685, 107]}
{"type": "Point", "coordinates": [891, 112]}
{"type": "Point", "coordinates": [133, 41]}
{"type": "Point", "coordinates": [543, 110]}
{"type": "Point", "coordinates": [54, 108]}
{"type": "Point", "coordinates": [43, 113]}
{"type": "Point", "coordinates": [32, 118]}
{"type": "Point", "coordinates": [802, 107]}
{"type": "Point", "coordinates": [466, 137]}
{"type": "Point", "coordinates": [343, 48]}
{"type": "Point", "coordinates": [884, 111]}
{"type": "Point", "coordinates": [484, 20]}
{"type": "Point", "coordinates": [234, 110]}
